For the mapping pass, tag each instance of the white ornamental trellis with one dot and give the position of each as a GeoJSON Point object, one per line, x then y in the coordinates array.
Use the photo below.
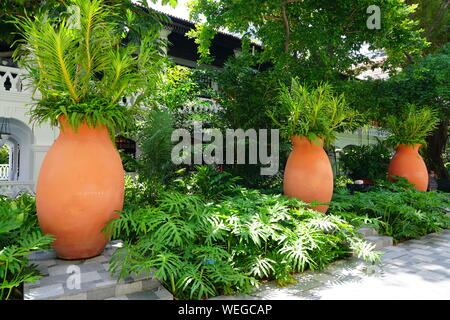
{"type": "Point", "coordinates": [11, 80]}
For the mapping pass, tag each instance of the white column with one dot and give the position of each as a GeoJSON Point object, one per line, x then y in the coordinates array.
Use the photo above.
{"type": "Point", "coordinates": [164, 34]}
{"type": "Point", "coordinates": [38, 154]}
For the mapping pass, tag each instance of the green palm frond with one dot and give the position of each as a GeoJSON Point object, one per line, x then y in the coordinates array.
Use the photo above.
{"type": "Point", "coordinates": [412, 127]}
{"type": "Point", "coordinates": [80, 58]}
{"type": "Point", "coordinates": [52, 55]}
{"type": "Point", "coordinates": [312, 112]}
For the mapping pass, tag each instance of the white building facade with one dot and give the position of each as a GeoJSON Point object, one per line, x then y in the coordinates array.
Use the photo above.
{"type": "Point", "coordinates": [28, 144]}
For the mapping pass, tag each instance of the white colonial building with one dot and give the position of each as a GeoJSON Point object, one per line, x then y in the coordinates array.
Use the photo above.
{"type": "Point", "coordinates": [28, 144]}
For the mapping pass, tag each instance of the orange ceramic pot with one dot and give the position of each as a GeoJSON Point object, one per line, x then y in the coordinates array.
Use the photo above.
{"type": "Point", "coordinates": [308, 175]}
{"type": "Point", "coordinates": [408, 163]}
{"type": "Point", "coordinates": [79, 189]}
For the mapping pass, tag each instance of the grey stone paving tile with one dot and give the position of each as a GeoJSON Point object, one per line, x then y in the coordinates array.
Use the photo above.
{"type": "Point", "coordinates": [236, 297]}
{"type": "Point", "coordinates": [163, 294]}
{"type": "Point", "coordinates": [445, 254]}
{"type": "Point", "coordinates": [105, 283]}
{"type": "Point", "coordinates": [78, 296]}
{"type": "Point", "coordinates": [420, 258]}
{"type": "Point", "coordinates": [59, 279]}
{"type": "Point", "coordinates": [44, 292]}
{"type": "Point", "coordinates": [90, 276]}
{"type": "Point", "coordinates": [101, 293]}
{"type": "Point", "coordinates": [127, 288]}
{"type": "Point", "coordinates": [393, 254]}
{"type": "Point", "coordinates": [45, 263]}
{"type": "Point", "coordinates": [426, 252]}
{"type": "Point", "coordinates": [148, 284]}
{"type": "Point", "coordinates": [431, 276]}
{"type": "Point", "coordinates": [419, 246]}
{"type": "Point", "coordinates": [42, 270]}
{"type": "Point", "coordinates": [118, 298]}
{"type": "Point", "coordinates": [58, 270]}
{"type": "Point", "coordinates": [96, 282]}
{"type": "Point", "coordinates": [44, 255]}
{"type": "Point", "coordinates": [144, 295]}
{"type": "Point", "coordinates": [431, 266]}
{"type": "Point", "coordinates": [98, 259]}
{"type": "Point", "coordinates": [90, 267]}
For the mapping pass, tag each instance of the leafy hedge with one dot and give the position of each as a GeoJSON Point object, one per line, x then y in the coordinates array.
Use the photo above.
{"type": "Point", "coordinates": [228, 241]}
{"type": "Point", "coordinates": [399, 212]}
{"type": "Point", "coordinates": [365, 162]}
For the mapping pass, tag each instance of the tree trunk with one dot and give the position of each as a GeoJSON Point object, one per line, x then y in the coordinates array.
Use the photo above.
{"type": "Point", "coordinates": [436, 145]}
{"type": "Point", "coordinates": [287, 31]}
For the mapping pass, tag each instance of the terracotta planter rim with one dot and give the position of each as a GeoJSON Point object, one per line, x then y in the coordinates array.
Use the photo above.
{"type": "Point", "coordinates": [413, 146]}
{"type": "Point", "coordinates": [64, 124]}
{"type": "Point", "coordinates": [303, 138]}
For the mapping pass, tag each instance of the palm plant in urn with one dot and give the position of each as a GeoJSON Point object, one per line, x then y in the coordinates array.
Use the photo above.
{"type": "Point", "coordinates": [407, 134]}
{"type": "Point", "coordinates": [82, 72]}
{"type": "Point", "coordinates": [311, 117]}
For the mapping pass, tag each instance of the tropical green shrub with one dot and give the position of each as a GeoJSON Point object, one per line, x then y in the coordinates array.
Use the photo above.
{"type": "Point", "coordinates": [201, 248]}
{"type": "Point", "coordinates": [399, 212]}
{"type": "Point", "coordinates": [342, 181]}
{"type": "Point", "coordinates": [19, 235]}
{"type": "Point", "coordinates": [208, 182]}
{"type": "Point", "coordinates": [412, 127]}
{"type": "Point", "coordinates": [154, 139]}
{"type": "Point", "coordinates": [312, 112]}
{"type": "Point", "coordinates": [365, 162]}
{"type": "Point", "coordinates": [128, 161]}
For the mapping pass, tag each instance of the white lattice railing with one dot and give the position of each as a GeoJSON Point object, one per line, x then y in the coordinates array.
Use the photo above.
{"type": "Point", "coordinates": [4, 171]}
{"type": "Point", "coordinates": [202, 105]}
{"type": "Point", "coordinates": [11, 80]}
{"type": "Point", "coordinates": [13, 189]}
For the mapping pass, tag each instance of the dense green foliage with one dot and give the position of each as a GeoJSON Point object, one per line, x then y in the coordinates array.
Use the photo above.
{"type": "Point", "coordinates": [19, 235]}
{"type": "Point", "coordinates": [246, 96]}
{"type": "Point", "coordinates": [412, 127]}
{"type": "Point", "coordinates": [80, 67]}
{"type": "Point", "coordinates": [365, 162]}
{"type": "Point", "coordinates": [154, 139]}
{"type": "Point", "coordinates": [396, 211]}
{"type": "Point", "coordinates": [136, 17]}
{"type": "Point", "coordinates": [316, 39]}
{"type": "Point", "coordinates": [208, 237]}
{"type": "Point", "coordinates": [434, 20]}
{"type": "Point", "coordinates": [4, 154]}
{"type": "Point", "coordinates": [312, 112]}
{"type": "Point", "coordinates": [247, 93]}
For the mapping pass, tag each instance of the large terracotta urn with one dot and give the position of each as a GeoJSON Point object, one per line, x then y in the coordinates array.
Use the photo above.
{"type": "Point", "coordinates": [308, 175]}
{"type": "Point", "coordinates": [408, 163]}
{"type": "Point", "coordinates": [79, 190]}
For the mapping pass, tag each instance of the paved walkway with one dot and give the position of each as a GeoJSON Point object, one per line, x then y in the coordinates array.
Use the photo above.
{"type": "Point", "coordinates": [415, 269]}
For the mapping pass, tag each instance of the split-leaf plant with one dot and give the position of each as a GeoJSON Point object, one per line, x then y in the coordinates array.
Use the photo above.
{"type": "Point", "coordinates": [399, 212]}
{"type": "Point", "coordinates": [19, 235]}
{"type": "Point", "coordinates": [203, 247]}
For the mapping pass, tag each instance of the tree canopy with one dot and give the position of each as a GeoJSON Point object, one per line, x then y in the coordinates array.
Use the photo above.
{"type": "Point", "coordinates": [319, 38]}
{"type": "Point", "coordinates": [137, 18]}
